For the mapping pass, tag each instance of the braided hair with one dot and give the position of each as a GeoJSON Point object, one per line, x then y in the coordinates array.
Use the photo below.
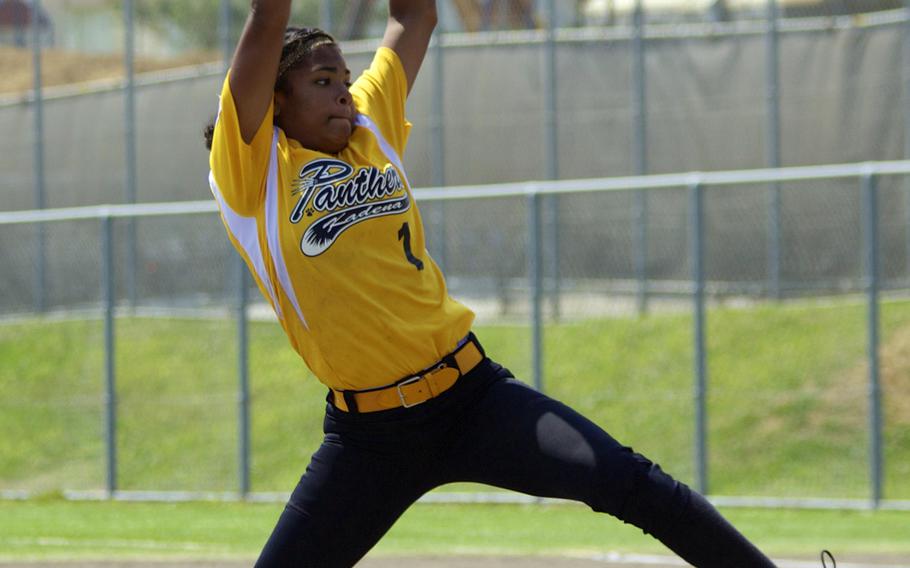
{"type": "Point", "coordinates": [298, 44]}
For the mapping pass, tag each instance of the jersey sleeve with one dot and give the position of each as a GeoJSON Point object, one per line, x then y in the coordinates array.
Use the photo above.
{"type": "Point", "coordinates": [239, 169]}
{"type": "Point", "coordinates": [380, 93]}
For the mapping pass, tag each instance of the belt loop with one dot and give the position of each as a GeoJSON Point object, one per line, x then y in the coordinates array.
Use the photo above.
{"type": "Point", "coordinates": [473, 339]}
{"type": "Point", "coordinates": [351, 400]}
{"type": "Point", "coordinates": [450, 361]}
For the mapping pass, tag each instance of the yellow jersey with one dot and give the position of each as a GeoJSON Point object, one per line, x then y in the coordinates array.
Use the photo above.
{"type": "Point", "coordinates": [335, 241]}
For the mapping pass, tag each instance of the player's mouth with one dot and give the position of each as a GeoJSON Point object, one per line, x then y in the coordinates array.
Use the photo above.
{"type": "Point", "coordinates": [346, 119]}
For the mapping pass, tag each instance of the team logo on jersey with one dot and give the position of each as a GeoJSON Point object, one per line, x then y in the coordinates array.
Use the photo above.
{"type": "Point", "coordinates": [349, 197]}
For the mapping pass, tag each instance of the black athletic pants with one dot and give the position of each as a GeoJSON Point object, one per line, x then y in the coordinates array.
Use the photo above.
{"type": "Point", "coordinates": [492, 429]}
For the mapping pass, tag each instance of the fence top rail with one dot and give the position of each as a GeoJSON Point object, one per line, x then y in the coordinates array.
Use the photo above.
{"type": "Point", "coordinates": [107, 212]}
{"type": "Point", "coordinates": [665, 181]}
{"type": "Point", "coordinates": [503, 190]}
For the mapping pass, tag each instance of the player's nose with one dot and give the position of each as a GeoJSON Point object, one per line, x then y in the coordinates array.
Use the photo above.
{"type": "Point", "coordinates": [344, 96]}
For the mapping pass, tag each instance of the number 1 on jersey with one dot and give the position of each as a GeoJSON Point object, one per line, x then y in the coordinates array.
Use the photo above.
{"type": "Point", "coordinates": [404, 234]}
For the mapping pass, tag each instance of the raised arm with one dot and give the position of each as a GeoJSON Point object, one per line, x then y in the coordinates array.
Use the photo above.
{"type": "Point", "coordinates": [255, 64]}
{"type": "Point", "coordinates": [408, 32]}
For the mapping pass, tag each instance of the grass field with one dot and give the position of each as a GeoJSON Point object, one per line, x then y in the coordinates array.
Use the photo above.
{"type": "Point", "coordinates": [58, 529]}
{"type": "Point", "coordinates": [787, 398]}
{"type": "Point", "coordinates": [787, 418]}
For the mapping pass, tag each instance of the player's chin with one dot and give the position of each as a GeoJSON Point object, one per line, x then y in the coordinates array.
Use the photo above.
{"type": "Point", "coordinates": [339, 136]}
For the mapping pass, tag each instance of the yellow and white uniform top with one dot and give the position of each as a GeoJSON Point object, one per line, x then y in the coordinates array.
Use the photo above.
{"type": "Point", "coordinates": [335, 241]}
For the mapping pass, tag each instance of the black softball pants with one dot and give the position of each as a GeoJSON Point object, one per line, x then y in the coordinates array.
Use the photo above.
{"type": "Point", "coordinates": [493, 429]}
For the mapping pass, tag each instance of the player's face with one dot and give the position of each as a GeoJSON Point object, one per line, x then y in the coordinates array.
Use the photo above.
{"type": "Point", "coordinates": [315, 107]}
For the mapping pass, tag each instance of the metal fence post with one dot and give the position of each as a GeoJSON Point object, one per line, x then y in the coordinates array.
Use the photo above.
{"type": "Point", "coordinates": [130, 148]}
{"type": "Point", "coordinates": [240, 312]}
{"type": "Point", "coordinates": [552, 155]}
{"type": "Point", "coordinates": [110, 390]}
{"type": "Point", "coordinates": [40, 262]}
{"type": "Point", "coordinates": [226, 37]}
{"type": "Point", "coordinates": [243, 391]}
{"type": "Point", "coordinates": [535, 277]}
{"type": "Point", "coordinates": [696, 244]}
{"type": "Point", "coordinates": [772, 148]}
{"type": "Point", "coordinates": [640, 157]}
{"type": "Point", "coordinates": [905, 74]}
{"type": "Point", "coordinates": [437, 141]}
{"type": "Point", "coordinates": [326, 16]}
{"type": "Point", "coordinates": [870, 230]}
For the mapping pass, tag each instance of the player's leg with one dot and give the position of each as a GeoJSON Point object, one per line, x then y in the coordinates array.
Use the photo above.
{"type": "Point", "coordinates": [369, 469]}
{"type": "Point", "coordinates": [347, 499]}
{"type": "Point", "coordinates": [517, 438]}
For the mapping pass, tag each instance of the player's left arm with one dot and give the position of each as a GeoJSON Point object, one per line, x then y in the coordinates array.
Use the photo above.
{"type": "Point", "coordinates": [408, 32]}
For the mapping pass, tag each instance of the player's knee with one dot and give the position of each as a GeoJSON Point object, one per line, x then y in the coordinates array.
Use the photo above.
{"type": "Point", "coordinates": [647, 498]}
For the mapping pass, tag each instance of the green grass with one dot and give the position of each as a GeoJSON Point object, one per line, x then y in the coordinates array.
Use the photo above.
{"type": "Point", "coordinates": [58, 529]}
{"type": "Point", "coordinates": [786, 398]}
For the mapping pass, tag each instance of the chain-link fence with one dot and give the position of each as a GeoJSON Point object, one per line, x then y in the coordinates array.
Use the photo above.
{"type": "Point", "coordinates": [735, 394]}
{"type": "Point", "coordinates": [510, 91]}
{"type": "Point", "coordinates": [611, 100]}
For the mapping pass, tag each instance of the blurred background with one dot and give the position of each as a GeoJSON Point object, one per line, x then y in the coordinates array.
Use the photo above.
{"type": "Point", "coordinates": [753, 337]}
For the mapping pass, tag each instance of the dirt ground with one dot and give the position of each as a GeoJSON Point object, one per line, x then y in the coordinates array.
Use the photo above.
{"type": "Point", "coordinates": [382, 562]}
{"type": "Point", "coordinates": [389, 562]}
{"type": "Point", "coordinates": [606, 561]}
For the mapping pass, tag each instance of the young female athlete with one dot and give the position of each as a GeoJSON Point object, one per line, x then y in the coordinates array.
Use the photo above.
{"type": "Point", "coordinates": [307, 172]}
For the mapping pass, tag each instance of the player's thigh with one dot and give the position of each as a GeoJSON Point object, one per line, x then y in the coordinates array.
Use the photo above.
{"type": "Point", "coordinates": [520, 439]}
{"type": "Point", "coordinates": [347, 499]}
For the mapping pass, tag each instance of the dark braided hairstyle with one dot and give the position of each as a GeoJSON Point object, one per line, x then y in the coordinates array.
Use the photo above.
{"type": "Point", "coordinates": [298, 44]}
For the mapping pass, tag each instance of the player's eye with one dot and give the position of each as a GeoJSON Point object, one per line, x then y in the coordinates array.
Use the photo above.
{"type": "Point", "coordinates": [322, 82]}
{"type": "Point", "coordinates": [348, 84]}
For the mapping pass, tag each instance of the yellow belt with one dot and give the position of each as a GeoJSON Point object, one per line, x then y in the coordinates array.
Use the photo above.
{"type": "Point", "coordinates": [415, 389]}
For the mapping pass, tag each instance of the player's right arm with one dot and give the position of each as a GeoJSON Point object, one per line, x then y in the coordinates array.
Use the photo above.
{"type": "Point", "coordinates": [241, 142]}
{"type": "Point", "coordinates": [254, 67]}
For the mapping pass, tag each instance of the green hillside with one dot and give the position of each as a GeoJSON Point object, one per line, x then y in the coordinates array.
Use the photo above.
{"type": "Point", "coordinates": [787, 398]}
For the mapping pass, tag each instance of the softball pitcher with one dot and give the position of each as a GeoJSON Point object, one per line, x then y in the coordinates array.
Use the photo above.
{"type": "Point", "coordinates": [306, 169]}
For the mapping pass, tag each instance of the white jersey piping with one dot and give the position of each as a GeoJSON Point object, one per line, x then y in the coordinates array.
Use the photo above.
{"type": "Point", "coordinates": [365, 121]}
{"type": "Point", "coordinates": [246, 233]}
{"type": "Point", "coordinates": [272, 226]}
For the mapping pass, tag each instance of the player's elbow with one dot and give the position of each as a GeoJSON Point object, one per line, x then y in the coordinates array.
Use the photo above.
{"type": "Point", "coordinates": [430, 16]}
{"type": "Point", "coordinates": [411, 12]}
